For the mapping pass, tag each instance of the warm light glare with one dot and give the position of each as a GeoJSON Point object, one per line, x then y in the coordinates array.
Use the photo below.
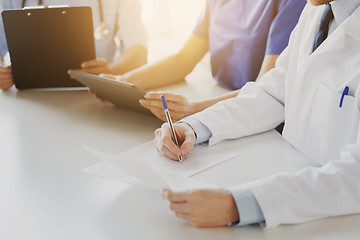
{"type": "Point", "coordinates": [171, 17]}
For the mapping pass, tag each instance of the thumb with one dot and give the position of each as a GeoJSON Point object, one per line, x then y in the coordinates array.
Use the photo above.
{"type": "Point", "coordinates": [94, 63]}
{"type": "Point", "coordinates": [188, 144]}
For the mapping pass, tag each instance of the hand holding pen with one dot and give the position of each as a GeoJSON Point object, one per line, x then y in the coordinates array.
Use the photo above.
{"type": "Point", "coordinates": [171, 144]}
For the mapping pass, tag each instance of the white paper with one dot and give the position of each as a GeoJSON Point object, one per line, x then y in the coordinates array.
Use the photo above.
{"type": "Point", "coordinates": [139, 172]}
{"type": "Point", "coordinates": [144, 166]}
{"type": "Point", "coordinates": [107, 170]}
{"type": "Point", "coordinates": [200, 158]}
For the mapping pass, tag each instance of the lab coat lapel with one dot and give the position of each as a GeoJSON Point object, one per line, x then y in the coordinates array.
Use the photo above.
{"type": "Point", "coordinates": [330, 47]}
{"type": "Point", "coordinates": [353, 28]}
{"type": "Point", "coordinates": [337, 40]}
{"type": "Point", "coordinates": [308, 35]}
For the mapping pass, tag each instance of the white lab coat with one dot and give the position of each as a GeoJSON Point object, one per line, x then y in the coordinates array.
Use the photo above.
{"type": "Point", "coordinates": [305, 90]}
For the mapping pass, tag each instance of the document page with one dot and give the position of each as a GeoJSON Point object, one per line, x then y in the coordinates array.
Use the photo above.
{"type": "Point", "coordinates": [144, 166]}
{"type": "Point", "coordinates": [139, 172]}
{"type": "Point", "coordinates": [200, 158]}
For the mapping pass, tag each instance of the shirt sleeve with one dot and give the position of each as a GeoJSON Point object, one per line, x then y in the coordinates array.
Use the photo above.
{"type": "Point", "coordinates": [248, 207]}
{"type": "Point", "coordinates": [203, 133]}
{"type": "Point", "coordinates": [202, 27]}
{"type": "Point", "coordinates": [289, 12]}
{"type": "Point", "coordinates": [131, 29]}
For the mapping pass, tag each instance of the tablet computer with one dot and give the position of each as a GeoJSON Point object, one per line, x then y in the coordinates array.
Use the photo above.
{"type": "Point", "coordinates": [44, 43]}
{"type": "Point", "coordinates": [121, 94]}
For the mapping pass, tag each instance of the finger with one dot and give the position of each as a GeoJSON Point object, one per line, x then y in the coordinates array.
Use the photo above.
{"type": "Point", "coordinates": [159, 113]}
{"type": "Point", "coordinates": [184, 216]}
{"type": "Point", "coordinates": [158, 143]}
{"type": "Point", "coordinates": [153, 95]}
{"type": "Point", "coordinates": [168, 154]}
{"type": "Point", "coordinates": [151, 103]}
{"type": "Point", "coordinates": [155, 110]}
{"type": "Point", "coordinates": [170, 97]}
{"type": "Point", "coordinates": [101, 99]}
{"type": "Point", "coordinates": [5, 87]}
{"type": "Point", "coordinates": [183, 207]}
{"type": "Point", "coordinates": [95, 70]}
{"type": "Point", "coordinates": [110, 76]}
{"type": "Point", "coordinates": [175, 197]}
{"type": "Point", "coordinates": [189, 142]}
{"type": "Point", "coordinates": [157, 131]}
{"type": "Point", "coordinates": [175, 103]}
{"type": "Point", "coordinates": [161, 116]}
{"type": "Point", "coordinates": [6, 81]}
{"type": "Point", "coordinates": [161, 148]}
{"type": "Point", "coordinates": [6, 76]}
{"type": "Point", "coordinates": [156, 140]}
{"type": "Point", "coordinates": [93, 93]}
{"type": "Point", "coordinates": [94, 63]}
{"type": "Point", "coordinates": [5, 69]}
{"type": "Point", "coordinates": [167, 141]}
{"type": "Point", "coordinates": [174, 107]}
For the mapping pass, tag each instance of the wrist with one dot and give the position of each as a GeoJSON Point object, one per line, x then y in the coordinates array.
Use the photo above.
{"type": "Point", "coordinates": [234, 216]}
{"type": "Point", "coordinates": [233, 213]}
{"type": "Point", "coordinates": [197, 107]}
{"type": "Point", "coordinates": [201, 105]}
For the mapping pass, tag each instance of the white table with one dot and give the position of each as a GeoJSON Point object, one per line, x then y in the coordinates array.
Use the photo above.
{"type": "Point", "coordinates": [44, 195]}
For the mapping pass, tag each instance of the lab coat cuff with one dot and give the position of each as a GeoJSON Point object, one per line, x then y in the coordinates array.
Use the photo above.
{"type": "Point", "coordinates": [203, 133]}
{"type": "Point", "coordinates": [247, 205]}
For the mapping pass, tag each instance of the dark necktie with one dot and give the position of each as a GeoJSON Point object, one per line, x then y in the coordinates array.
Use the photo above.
{"type": "Point", "coordinates": [323, 29]}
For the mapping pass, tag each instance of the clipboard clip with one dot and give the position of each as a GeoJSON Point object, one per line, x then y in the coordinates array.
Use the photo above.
{"type": "Point", "coordinates": [45, 6]}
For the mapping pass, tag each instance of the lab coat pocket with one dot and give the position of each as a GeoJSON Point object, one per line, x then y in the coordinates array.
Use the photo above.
{"type": "Point", "coordinates": [332, 126]}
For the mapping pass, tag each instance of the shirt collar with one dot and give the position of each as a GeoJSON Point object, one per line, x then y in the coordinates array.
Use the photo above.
{"type": "Point", "coordinates": [342, 9]}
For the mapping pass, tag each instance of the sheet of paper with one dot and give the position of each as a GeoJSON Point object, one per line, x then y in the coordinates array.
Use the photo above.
{"type": "Point", "coordinates": [200, 158]}
{"type": "Point", "coordinates": [139, 172]}
{"type": "Point", "coordinates": [107, 170]}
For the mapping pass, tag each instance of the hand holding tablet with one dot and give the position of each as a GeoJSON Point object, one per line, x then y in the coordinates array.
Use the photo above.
{"type": "Point", "coordinates": [122, 94]}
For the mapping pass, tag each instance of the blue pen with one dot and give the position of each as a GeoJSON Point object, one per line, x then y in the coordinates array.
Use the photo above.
{"type": "Point", "coordinates": [345, 92]}
{"type": "Point", "coordinates": [167, 113]}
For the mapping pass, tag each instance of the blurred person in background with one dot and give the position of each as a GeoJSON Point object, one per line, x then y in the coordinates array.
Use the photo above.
{"type": "Point", "coordinates": [244, 39]}
{"type": "Point", "coordinates": [120, 36]}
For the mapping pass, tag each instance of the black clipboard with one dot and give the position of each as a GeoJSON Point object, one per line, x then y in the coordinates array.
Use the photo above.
{"type": "Point", "coordinates": [45, 43]}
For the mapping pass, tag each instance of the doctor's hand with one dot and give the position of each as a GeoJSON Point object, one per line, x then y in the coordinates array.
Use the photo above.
{"type": "Point", "coordinates": [203, 208]}
{"type": "Point", "coordinates": [95, 66]}
{"type": "Point", "coordinates": [6, 78]}
{"type": "Point", "coordinates": [179, 106]}
{"type": "Point", "coordinates": [166, 146]}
